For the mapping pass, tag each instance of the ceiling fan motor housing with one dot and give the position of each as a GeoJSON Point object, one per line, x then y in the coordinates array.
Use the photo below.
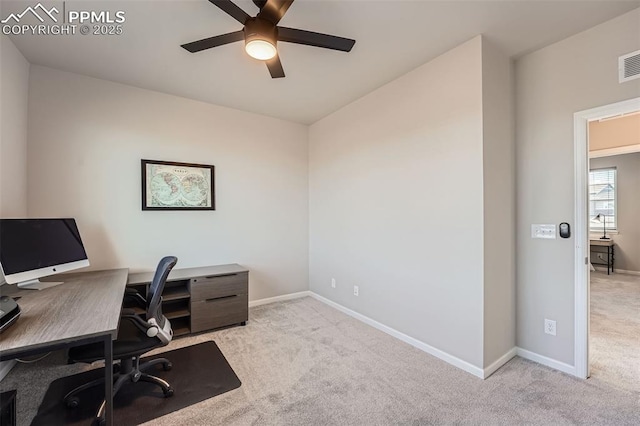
{"type": "Point", "coordinates": [260, 3]}
{"type": "Point", "coordinates": [260, 29]}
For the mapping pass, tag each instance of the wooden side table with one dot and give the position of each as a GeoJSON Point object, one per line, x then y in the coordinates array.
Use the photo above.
{"type": "Point", "coordinates": [603, 246]}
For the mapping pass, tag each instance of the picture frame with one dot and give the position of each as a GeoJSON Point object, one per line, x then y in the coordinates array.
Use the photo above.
{"type": "Point", "coordinates": [170, 185]}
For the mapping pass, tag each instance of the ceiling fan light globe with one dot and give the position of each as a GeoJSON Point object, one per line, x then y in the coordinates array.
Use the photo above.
{"type": "Point", "coordinates": [260, 49]}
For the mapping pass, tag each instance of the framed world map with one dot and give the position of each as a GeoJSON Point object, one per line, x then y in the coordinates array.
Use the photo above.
{"type": "Point", "coordinates": [167, 185]}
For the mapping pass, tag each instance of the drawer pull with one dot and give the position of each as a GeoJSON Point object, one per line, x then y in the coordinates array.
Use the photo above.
{"type": "Point", "coordinates": [221, 275]}
{"type": "Point", "coordinates": [221, 298]}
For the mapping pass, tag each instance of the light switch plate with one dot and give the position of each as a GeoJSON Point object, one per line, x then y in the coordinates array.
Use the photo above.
{"type": "Point", "coordinates": [543, 231]}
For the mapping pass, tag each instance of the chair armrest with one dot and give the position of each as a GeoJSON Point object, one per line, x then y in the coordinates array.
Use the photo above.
{"type": "Point", "coordinates": [130, 315]}
{"type": "Point", "coordinates": [131, 296]}
{"type": "Point", "coordinates": [150, 328]}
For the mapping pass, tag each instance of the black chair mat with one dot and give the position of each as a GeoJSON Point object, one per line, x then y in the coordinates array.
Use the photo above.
{"type": "Point", "coordinates": [199, 372]}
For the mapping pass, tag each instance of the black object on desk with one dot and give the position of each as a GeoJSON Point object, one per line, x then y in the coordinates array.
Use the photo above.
{"type": "Point", "coordinates": [9, 312]}
{"type": "Point", "coordinates": [8, 408]}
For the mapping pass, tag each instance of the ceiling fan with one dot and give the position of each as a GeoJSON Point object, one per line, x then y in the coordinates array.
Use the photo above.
{"type": "Point", "coordinates": [262, 33]}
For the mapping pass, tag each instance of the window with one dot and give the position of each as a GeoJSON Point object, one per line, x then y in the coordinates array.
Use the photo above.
{"type": "Point", "coordinates": [602, 198]}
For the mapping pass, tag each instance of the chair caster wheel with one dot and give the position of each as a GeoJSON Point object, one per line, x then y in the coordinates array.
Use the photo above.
{"type": "Point", "coordinates": [72, 402]}
{"type": "Point", "coordinates": [167, 366]}
{"type": "Point", "coordinates": [168, 393]}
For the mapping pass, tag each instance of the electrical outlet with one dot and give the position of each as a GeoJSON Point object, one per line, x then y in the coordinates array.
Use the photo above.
{"type": "Point", "coordinates": [356, 290]}
{"type": "Point", "coordinates": [333, 283]}
{"type": "Point", "coordinates": [550, 327]}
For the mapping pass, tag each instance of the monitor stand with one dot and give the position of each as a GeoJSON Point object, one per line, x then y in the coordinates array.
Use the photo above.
{"type": "Point", "coordinates": [38, 285]}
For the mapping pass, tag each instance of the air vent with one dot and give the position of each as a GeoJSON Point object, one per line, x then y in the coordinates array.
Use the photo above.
{"type": "Point", "coordinates": [629, 66]}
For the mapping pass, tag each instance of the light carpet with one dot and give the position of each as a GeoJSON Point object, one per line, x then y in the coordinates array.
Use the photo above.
{"type": "Point", "coordinates": [302, 362]}
{"type": "Point", "coordinates": [615, 329]}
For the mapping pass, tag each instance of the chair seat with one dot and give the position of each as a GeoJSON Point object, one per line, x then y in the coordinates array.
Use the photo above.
{"type": "Point", "coordinates": [131, 342]}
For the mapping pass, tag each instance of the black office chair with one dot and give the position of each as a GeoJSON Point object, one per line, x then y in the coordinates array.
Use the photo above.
{"type": "Point", "coordinates": [135, 337]}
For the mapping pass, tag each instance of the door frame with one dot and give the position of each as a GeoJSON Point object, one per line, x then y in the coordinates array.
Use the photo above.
{"type": "Point", "coordinates": [581, 121]}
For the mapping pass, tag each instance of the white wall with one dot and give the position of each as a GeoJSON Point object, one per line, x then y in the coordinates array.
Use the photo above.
{"type": "Point", "coordinates": [86, 139]}
{"type": "Point", "coordinates": [627, 238]}
{"type": "Point", "coordinates": [14, 89]}
{"type": "Point", "coordinates": [499, 203]}
{"type": "Point", "coordinates": [551, 85]}
{"type": "Point", "coordinates": [14, 95]}
{"type": "Point", "coordinates": [395, 182]}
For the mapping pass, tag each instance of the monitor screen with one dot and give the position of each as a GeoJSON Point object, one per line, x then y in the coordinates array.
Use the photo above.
{"type": "Point", "coordinates": [33, 248]}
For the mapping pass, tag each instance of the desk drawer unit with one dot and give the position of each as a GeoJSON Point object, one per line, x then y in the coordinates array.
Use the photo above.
{"type": "Point", "coordinates": [201, 298]}
{"type": "Point", "coordinates": [214, 313]}
{"type": "Point", "coordinates": [218, 301]}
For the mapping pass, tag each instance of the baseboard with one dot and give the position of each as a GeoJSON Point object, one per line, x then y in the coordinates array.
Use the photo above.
{"type": "Point", "coordinates": [617, 271]}
{"type": "Point", "coordinates": [622, 271]}
{"type": "Point", "coordinates": [279, 298]}
{"type": "Point", "coordinates": [456, 362]}
{"type": "Point", "coordinates": [5, 367]}
{"type": "Point", "coordinates": [500, 362]}
{"type": "Point", "coordinates": [549, 362]}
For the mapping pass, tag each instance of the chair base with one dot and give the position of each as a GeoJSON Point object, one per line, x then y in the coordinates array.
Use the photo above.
{"type": "Point", "coordinates": [130, 370]}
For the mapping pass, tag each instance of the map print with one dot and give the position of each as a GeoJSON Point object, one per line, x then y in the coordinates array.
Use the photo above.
{"type": "Point", "coordinates": [178, 186]}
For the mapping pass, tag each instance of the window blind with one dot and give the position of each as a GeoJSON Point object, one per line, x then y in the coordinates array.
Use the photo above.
{"type": "Point", "coordinates": [602, 197]}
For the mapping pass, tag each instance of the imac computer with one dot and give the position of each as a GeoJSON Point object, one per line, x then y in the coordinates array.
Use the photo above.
{"type": "Point", "coordinates": [35, 248]}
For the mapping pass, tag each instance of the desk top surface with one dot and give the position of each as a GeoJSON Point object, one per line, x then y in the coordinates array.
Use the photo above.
{"type": "Point", "coordinates": [599, 242]}
{"type": "Point", "coordinates": [87, 305]}
{"type": "Point", "coordinates": [187, 273]}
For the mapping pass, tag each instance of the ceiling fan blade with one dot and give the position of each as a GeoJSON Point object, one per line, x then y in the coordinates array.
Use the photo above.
{"type": "Point", "coordinates": [274, 10]}
{"type": "Point", "coordinates": [310, 38]}
{"type": "Point", "coordinates": [275, 67]}
{"type": "Point", "coordinates": [232, 9]}
{"type": "Point", "coordinates": [208, 43]}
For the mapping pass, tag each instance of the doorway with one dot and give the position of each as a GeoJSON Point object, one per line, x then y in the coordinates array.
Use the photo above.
{"type": "Point", "coordinates": [583, 220]}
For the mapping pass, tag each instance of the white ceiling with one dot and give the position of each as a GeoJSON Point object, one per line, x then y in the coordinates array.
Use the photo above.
{"type": "Point", "coordinates": [392, 38]}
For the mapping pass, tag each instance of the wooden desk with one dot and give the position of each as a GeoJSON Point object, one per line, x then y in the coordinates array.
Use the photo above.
{"type": "Point", "coordinates": [85, 309]}
{"type": "Point", "coordinates": [608, 244]}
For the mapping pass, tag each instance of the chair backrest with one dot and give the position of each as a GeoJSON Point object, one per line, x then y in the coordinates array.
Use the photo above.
{"type": "Point", "coordinates": [154, 293]}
